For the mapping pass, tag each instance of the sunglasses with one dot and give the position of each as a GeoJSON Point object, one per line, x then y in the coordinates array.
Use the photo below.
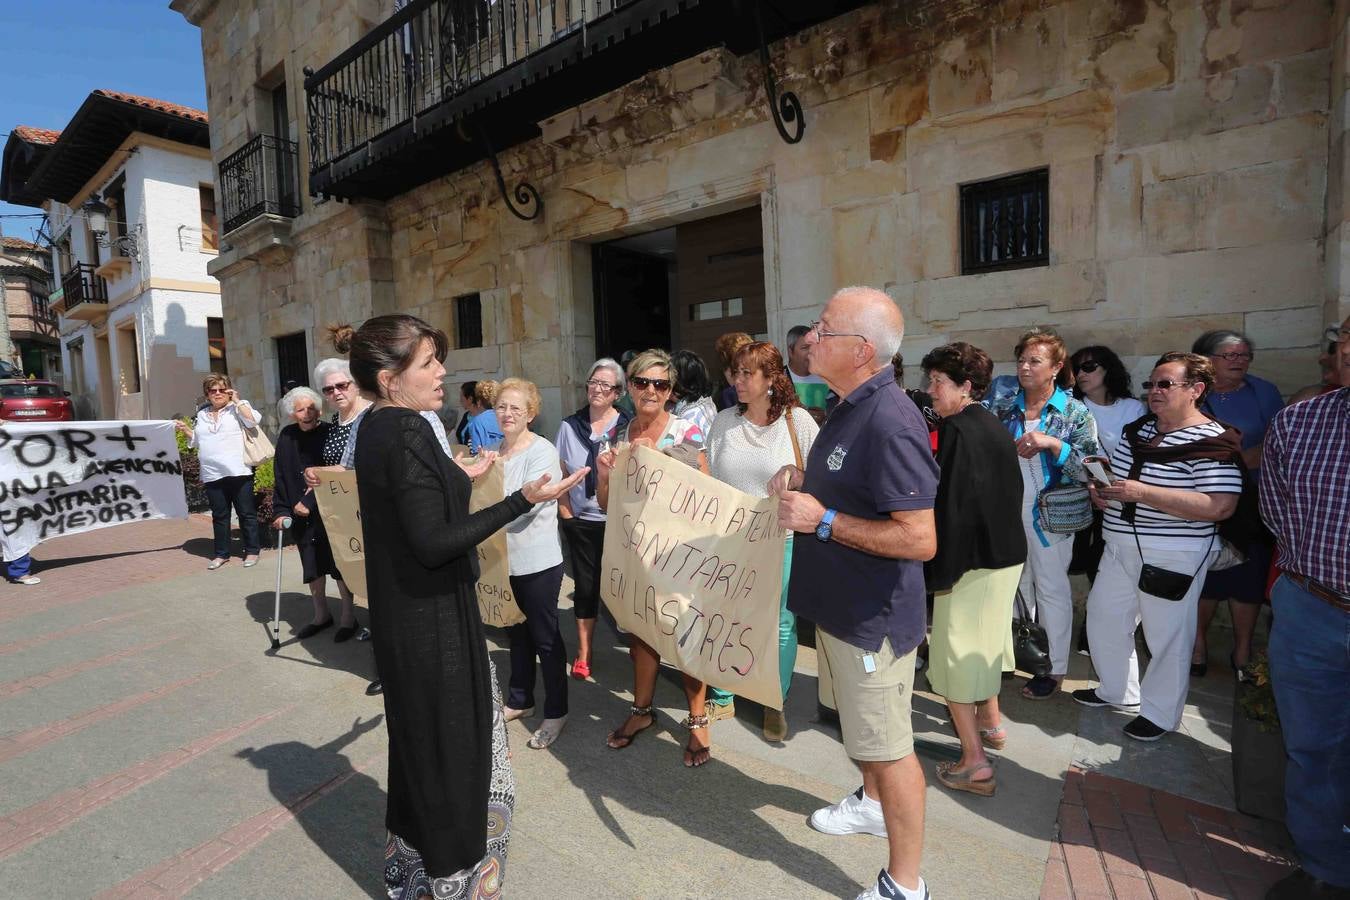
{"type": "Point", "coordinates": [661, 384]}
{"type": "Point", "coordinates": [1088, 366]}
{"type": "Point", "coordinates": [331, 389]}
{"type": "Point", "coordinates": [1163, 384]}
{"type": "Point", "coordinates": [218, 390]}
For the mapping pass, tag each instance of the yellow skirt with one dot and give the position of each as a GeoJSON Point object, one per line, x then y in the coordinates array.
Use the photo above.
{"type": "Point", "coordinates": [971, 644]}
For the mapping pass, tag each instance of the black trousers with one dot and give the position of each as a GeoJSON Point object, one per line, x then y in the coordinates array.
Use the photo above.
{"type": "Point", "coordinates": [538, 636]}
{"type": "Point", "coordinates": [585, 542]}
{"type": "Point", "coordinates": [236, 491]}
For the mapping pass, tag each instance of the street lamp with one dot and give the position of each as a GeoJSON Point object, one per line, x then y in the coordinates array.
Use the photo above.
{"type": "Point", "coordinates": [96, 214]}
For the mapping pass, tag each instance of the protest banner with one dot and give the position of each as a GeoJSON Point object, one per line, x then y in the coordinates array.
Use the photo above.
{"type": "Point", "coordinates": [340, 508]}
{"type": "Point", "coordinates": [496, 603]}
{"type": "Point", "coordinates": [69, 478]}
{"type": "Point", "coordinates": [694, 567]}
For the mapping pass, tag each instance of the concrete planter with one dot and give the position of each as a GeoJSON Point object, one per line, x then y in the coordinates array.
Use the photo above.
{"type": "Point", "coordinates": [1258, 764]}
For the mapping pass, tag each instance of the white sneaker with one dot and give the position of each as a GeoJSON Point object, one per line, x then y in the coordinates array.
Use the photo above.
{"type": "Point", "coordinates": [852, 815]}
{"type": "Point", "coordinates": [885, 888]}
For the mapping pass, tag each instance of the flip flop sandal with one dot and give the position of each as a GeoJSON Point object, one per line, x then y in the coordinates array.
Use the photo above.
{"type": "Point", "coordinates": [994, 738]}
{"type": "Point", "coordinates": [691, 752]}
{"type": "Point", "coordinates": [961, 781]}
{"type": "Point", "coordinates": [618, 734]}
{"type": "Point", "coordinates": [581, 670]}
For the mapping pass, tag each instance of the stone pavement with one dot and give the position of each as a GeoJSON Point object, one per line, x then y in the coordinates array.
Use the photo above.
{"type": "Point", "coordinates": [152, 744]}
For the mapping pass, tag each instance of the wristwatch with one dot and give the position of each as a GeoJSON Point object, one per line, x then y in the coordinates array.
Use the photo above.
{"type": "Point", "coordinates": [823, 530]}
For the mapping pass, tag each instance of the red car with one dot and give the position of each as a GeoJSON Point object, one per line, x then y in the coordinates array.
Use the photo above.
{"type": "Point", "coordinates": [34, 401]}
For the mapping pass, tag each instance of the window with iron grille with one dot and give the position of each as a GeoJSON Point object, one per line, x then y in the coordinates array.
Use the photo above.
{"type": "Point", "coordinates": [215, 346]}
{"type": "Point", "coordinates": [468, 321]}
{"type": "Point", "coordinates": [1005, 223]}
{"type": "Point", "coordinates": [292, 361]}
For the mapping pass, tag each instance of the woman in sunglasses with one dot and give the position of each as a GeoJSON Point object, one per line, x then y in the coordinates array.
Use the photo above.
{"type": "Point", "coordinates": [1102, 382]}
{"type": "Point", "coordinates": [217, 434]}
{"type": "Point", "coordinates": [334, 378]}
{"type": "Point", "coordinates": [1173, 477]}
{"type": "Point", "coordinates": [651, 381]}
{"type": "Point", "coordinates": [581, 437]}
{"type": "Point", "coordinates": [1247, 403]}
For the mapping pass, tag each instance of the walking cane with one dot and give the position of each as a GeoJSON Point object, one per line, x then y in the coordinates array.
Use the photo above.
{"type": "Point", "coordinates": [276, 610]}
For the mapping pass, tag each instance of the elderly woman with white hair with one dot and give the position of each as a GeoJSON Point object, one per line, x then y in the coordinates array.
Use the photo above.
{"type": "Point", "coordinates": [299, 446]}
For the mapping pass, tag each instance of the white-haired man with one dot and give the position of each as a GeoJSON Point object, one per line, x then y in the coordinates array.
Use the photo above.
{"type": "Point", "coordinates": [864, 507]}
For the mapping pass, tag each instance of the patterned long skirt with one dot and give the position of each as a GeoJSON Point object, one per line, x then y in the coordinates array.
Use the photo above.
{"type": "Point", "coordinates": [405, 876]}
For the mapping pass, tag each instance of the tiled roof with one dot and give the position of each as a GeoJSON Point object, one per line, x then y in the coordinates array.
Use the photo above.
{"type": "Point", "coordinates": [186, 112]}
{"type": "Point", "coordinates": [36, 135]}
{"type": "Point", "coordinates": [13, 243]}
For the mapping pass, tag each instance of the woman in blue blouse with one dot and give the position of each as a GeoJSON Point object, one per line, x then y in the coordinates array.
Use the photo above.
{"type": "Point", "coordinates": [1248, 403]}
{"type": "Point", "coordinates": [484, 432]}
{"type": "Point", "coordinates": [1053, 433]}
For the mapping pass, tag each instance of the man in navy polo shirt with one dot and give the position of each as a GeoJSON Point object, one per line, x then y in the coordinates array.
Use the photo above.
{"type": "Point", "coordinates": [864, 510]}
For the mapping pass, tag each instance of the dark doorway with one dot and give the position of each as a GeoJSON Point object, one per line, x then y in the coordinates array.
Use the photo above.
{"type": "Point", "coordinates": [632, 300]}
{"type": "Point", "coordinates": [681, 287]}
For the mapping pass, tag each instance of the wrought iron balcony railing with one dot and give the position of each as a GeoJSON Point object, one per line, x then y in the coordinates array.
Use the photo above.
{"type": "Point", "coordinates": [442, 84]}
{"type": "Point", "coordinates": [81, 285]}
{"type": "Point", "coordinates": [260, 178]}
{"type": "Point", "coordinates": [424, 54]}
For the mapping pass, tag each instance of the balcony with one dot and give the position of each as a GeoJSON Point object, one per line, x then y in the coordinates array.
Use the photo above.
{"type": "Point", "coordinates": [259, 179]}
{"type": "Point", "coordinates": [407, 103]}
{"type": "Point", "coordinates": [84, 294]}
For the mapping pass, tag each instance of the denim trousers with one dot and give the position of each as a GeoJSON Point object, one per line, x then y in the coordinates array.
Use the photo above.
{"type": "Point", "coordinates": [1310, 671]}
{"type": "Point", "coordinates": [18, 568]}
{"type": "Point", "coordinates": [787, 638]}
{"type": "Point", "coordinates": [233, 491]}
{"type": "Point", "coordinates": [538, 637]}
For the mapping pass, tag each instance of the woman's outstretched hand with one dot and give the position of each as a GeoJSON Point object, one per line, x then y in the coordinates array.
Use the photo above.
{"type": "Point", "coordinates": [541, 491]}
{"type": "Point", "coordinates": [474, 466]}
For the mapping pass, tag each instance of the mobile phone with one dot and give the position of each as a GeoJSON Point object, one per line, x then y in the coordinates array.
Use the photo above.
{"type": "Point", "coordinates": [1099, 469]}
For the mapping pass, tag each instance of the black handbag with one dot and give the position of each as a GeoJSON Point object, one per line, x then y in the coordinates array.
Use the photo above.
{"type": "Point", "coordinates": [1031, 645]}
{"type": "Point", "coordinates": [1164, 583]}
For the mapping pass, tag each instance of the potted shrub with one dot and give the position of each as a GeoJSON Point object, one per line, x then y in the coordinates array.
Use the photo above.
{"type": "Point", "coordinates": [1258, 744]}
{"type": "Point", "coordinates": [264, 484]}
{"type": "Point", "coordinates": [192, 473]}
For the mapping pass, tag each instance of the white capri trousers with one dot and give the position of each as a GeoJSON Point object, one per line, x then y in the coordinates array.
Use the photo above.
{"type": "Point", "coordinates": [1046, 592]}
{"type": "Point", "coordinates": [1115, 608]}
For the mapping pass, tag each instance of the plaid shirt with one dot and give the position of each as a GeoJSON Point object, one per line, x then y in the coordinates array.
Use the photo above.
{"type": "Point", "coordinates": [1305, 488]}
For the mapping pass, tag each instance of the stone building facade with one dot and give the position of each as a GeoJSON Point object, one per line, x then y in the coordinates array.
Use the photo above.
{"type": "Point", "coordinates": [27, 324]}
{"type": "Point", "coordinates": [1195, 152]}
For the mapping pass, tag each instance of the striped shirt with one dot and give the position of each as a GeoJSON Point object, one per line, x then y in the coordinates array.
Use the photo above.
{"type": "Point", "coordinates": [1305, 488]}
{"type": "Point", "coordinates": [1157, 529]}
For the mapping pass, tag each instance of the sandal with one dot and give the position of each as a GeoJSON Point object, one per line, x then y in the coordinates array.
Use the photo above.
{"type": "Point", "coordinates": [994, 738]}
{"type": "Point", "coordinates": [581, 670]}
{"type": "Point", "coordinates": [547, 734]}
{"type": "Point", "coordinates": [1042, 687]}
{"type": "Point", "coordinates": [618, 734]}
{"type": "Point", "coordinates": [961, 781]}
{"type": "Point", "coordinates": [695, 756]}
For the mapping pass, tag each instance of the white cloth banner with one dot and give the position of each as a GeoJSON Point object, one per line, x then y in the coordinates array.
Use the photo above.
{"type": "Point", "coordinates": [72, 477]}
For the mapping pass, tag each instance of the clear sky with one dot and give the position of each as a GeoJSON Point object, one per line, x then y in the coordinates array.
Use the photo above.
{"type": "Point", "coordinates": [53, 54]}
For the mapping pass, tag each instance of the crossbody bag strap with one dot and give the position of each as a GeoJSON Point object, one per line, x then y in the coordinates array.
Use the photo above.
{"type": "Point", "coordinates": [792, 433]}
{"type": "Point", "coordinates": [1204, 559]}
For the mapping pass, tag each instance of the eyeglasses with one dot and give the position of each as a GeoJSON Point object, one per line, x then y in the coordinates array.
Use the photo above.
{"type": "Point", "coordinates": [331, 389]}
{"type": "Point", "coordinates": [661, 384]}
{"type": "Point", "coordinates": [218, 390]}
{"type": "Point", "coordinates": [1233, 356]}
{"type": "Point", "coordinates": [822, 333]}
{"type": "Point", "coordinates": [1088, 366]}
{"type": "Point", "coordinates": [601, 386]}
{"type": "Point", "coordinates": [1335, 334]}
{"type": "Point", "coordinates": [1163, 384]}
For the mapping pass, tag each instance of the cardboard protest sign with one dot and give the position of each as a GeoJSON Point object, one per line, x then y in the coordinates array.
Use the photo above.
{"type": "Point", "coordinates": [694, 567]}
{"type": "Point", "coordinates": [67, 478]}
{"type": "Point", "coordinates": [496, 603]}
{"type": "Point", "coordinates": [340, 508]}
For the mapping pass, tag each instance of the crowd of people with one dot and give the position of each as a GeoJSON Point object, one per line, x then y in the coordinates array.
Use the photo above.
{"type": "Point", "coordinates": [912, 517]}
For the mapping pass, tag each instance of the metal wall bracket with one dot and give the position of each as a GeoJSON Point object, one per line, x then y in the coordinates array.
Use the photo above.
{"type": "Point", "coordinates": [786, 107]}
{"type": "Point", "coordinates": [525, 194]}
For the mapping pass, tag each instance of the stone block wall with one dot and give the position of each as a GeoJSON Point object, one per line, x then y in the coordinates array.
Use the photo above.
{"type": "Point", "coordinates": [1194, 152]}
